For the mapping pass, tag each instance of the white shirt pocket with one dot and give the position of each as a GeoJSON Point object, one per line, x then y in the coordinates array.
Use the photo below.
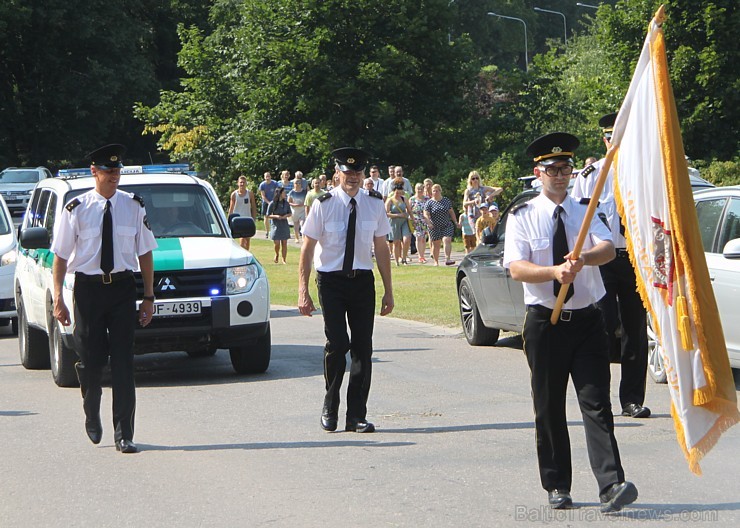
{"type": "Point", "coordinates": [367, 229]}
{"type": "Point", "coordinates": [126, 236]}
{"type": "Point", "coordinates": [334, 230]}
{"type": "Point", "coordinates": [89, 240]}
{"type": "Point", "coordinates": [540, 244]}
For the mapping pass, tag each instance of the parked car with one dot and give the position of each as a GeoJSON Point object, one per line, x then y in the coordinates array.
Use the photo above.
{"type": "Point", "coordinates": [17, 183]}
{"type": "Point", "coordinates": [718, 211]}
{"type": "Point", "coordinates": [491, 301]}
{"type": "Point", "coordinates": [210, 292]}
{"type": "Point", "coordinates": [8, 253]}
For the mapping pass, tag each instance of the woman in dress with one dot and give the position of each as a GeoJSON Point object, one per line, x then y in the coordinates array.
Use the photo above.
{"type": "Point", "coordinates": [440, 217]}
{"type": "Point", "coordinates": [242, 203]}
{"type": "Point", "coordinates": [297, 201]}
{"type": "Point", "coordinates": [475, 193]}
{"type": "Point", "coordinates": [397, 209]}
{"type": "Point", "coordinates": [420, 227]}
{"type": "Point", "coordinates": [278, 212]}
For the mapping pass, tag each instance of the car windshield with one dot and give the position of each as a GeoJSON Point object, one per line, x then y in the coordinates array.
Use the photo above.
{"type": "Point", "coordinates": [175, 211]}
{"type": "Point", "coordinates": [19, 176]}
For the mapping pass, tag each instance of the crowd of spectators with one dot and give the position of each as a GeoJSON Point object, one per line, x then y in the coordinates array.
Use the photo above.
{"type": "Point", "coordinates": [421, 216]}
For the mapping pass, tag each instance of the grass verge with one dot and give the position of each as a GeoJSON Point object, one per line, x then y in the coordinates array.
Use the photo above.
{"type": "Point", "coordinates": [421, 292]}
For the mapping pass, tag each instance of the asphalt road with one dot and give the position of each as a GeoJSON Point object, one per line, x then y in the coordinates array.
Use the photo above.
{"type": "Point", "coordinates": [454, 448]}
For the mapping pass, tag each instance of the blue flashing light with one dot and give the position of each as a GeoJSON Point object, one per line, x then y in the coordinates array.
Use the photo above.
{"type": "Point", "coordinates": [215, 291]}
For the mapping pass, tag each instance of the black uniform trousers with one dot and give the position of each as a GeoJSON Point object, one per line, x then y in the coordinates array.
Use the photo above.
{"type": "Point", "coordinates": [576, 349]}
{"type": "Point", "coordinates": [348, 301]}
{"type": "Point", "coordinates": [105, 321]}
{"type": "Point", "coordinates": [622, 301]}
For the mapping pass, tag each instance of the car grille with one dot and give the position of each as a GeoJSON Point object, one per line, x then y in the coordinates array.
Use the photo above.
{"type": "Point", "coordinates": [186, 283]}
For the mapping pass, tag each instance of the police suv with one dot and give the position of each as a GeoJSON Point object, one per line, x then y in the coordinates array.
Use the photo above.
{"type": "Point", "coordinates": [210, 292]}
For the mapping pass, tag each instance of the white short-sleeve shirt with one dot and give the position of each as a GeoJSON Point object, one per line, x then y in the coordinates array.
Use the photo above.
{"type": "Point", "coordinates": [78, 233]}
{"type": "Point", "coordinates": [529, 234]}
{"type": "Point", "coordinates": [328, 222]}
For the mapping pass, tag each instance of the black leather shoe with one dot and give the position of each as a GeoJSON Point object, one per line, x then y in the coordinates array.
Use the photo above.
{"type": "Point", "coordinates": [559, 499]}
{"type": "Point", "coordinates": [359, 426]}
{"type": "Point", "coordinates": [126, 446]}
{"type": "Point", "coordinates": [618, 496]}
{"type": "Point", "coordinates": [94, 429]}
{"type": "Point", "coordinates": [328, 420]}
{"type": "Point", "coordinates": [635, 410]}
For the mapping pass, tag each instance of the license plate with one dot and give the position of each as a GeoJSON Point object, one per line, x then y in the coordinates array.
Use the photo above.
{"type": "Point", "coordinates": [177, 308]}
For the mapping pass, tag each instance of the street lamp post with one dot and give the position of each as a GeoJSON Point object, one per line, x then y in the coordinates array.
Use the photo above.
{"type": "Point", "coordinates": [565, 28]}
{"type": "Point", "coordinates": [526, 58]}
{"type": "Point", "coordinates": [587, 5]}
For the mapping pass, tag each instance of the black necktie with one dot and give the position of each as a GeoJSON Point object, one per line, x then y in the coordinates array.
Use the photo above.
{"type": "Point", "coordinates": [349, 251]}
{"type": "Point", "coordinates": [106, 253]}
{"type": "Point", "coordinates": [559, 250]}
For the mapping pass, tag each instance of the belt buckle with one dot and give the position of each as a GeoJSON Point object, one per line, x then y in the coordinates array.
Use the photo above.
{"type": "Point", "coordinates": [565, 315]}
{"type": "Point", "coordinates": [352, 274]}
{"type": "Point", "coordinates": [108, 276]}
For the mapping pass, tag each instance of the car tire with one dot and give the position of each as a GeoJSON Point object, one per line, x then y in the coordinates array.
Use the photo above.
{"type": "Point", "coordinates": [476, 333]}
{"type": "Point", "coordinates": [254, 358]}
{"type": "Point", "coordinates": [62, 359]}
{"type": "Point", "coordinates": [656, 369]}
{"type": "Point", "coordinates": [32, 343]}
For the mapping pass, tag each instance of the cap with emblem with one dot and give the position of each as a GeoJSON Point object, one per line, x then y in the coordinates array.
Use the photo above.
{"type": "Point", "coordinates": [553, 147]}
{"type": "Point", "coordinates": [108, 157]}
{"type": "Point", "coordinates": [350, 159]}
{"type": "Point", "coordinates": [607, 124]}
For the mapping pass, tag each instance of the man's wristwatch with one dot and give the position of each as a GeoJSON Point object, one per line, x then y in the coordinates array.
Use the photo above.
{"type": "Point", "coordinates": [148, 298]}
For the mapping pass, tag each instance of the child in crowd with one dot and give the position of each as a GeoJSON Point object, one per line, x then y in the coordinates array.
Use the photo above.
{"type": "Point", "coordinates": [488, 218]}
{"type": "Point", "coordinates": [468, 231]}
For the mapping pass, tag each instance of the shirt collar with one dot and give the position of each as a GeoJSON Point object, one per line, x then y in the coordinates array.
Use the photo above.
{"type": "Point", "coordinates": [550, 206]}
{"type": "Point", "coordinates": [346, 197]}
{"type": "Point", "coordinates": [100, 198]}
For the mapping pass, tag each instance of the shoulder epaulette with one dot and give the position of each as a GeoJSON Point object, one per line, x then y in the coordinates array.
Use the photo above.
{"type": "Point", "coordinates": [375, 194]}
{"type": "Point", "coordinates": [71, 205]}
{"type": "Point", "coordinates": [586, 201]}
{"type": "Point", "coordinates": [324, 197]}
{"type": "Point", "coordinates": [602, 217]}
{"type": "Point", "coordinates": [588, 170]}
{"type": "Point", "coordinates": [517, 207]}
{"type": "Point", "coordinates": [138, 199]}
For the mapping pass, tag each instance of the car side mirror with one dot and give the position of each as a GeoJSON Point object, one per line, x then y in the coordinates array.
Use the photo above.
{"type": "Point", "coordinates": [242, 227]}
{"type": "Point", "coordinates": [34, 238]}
{"type": "Point", "coordinates": [489, 237]}
{"type": "Point", "coordinates": [732, 249]}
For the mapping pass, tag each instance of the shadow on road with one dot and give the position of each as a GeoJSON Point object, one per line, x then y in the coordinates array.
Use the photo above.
{"type": "Point", "coordinates": [275, 445]}
{"type": "Point", "coordinates": [17, 413]}
{"type": "Point", "coordinates": [485, 427]}
{"type": "Point", "coordinates": [173, 369]}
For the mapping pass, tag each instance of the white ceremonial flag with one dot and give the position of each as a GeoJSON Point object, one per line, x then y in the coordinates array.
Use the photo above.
{"type": "Point", "coordinates": [656, 205]}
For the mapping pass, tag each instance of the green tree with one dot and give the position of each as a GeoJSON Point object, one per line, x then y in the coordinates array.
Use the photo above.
{"type": "Point", "coordinates": [276, 86]}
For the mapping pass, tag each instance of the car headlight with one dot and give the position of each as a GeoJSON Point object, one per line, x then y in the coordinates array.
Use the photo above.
{"type": "Point", "coordinates": [9, 257]}
{"type": "Point", "coordinates": [240, 279]}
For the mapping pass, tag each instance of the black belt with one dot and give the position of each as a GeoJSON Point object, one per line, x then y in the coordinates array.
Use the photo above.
{"type": "Point", "coordinates": [105, 278]}
{"type": "Point", "coordinates": [621, 252]}
{"type": "Point", "coordinates": [565, 315]}
{"type": "Point", "coordinates": [350, 275]}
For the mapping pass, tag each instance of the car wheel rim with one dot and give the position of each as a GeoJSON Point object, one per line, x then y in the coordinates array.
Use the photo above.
{"type": "Point", "coordinates": [466, 311]}
{"type": "Point", "coordinates": [655, 359]}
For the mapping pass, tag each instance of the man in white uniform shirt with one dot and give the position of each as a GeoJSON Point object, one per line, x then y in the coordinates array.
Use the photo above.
{"type": "Point", "coordinates": [622, 303]}
{"type": "Point", "coordinates": [339, 235]}
{"type": "Point", "coordinates": [103, 237]}
{"type": "Point", "coordinates": [538, 237]}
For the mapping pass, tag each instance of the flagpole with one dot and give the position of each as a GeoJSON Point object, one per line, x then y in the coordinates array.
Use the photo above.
{"type": "Point", "coordinates": [590, 211]}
